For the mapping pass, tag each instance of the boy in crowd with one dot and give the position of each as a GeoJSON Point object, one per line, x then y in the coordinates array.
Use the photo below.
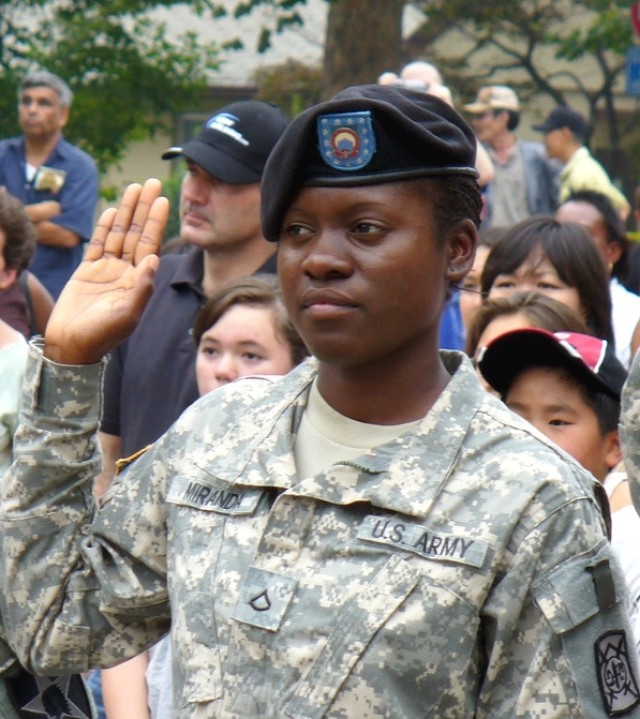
{"type": "Point", "coordinates": [568, 386]}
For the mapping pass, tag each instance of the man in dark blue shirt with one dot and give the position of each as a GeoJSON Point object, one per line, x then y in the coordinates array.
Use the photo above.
{"type": "Point", "coordinates": [150, 378]}
{"type": "Point", "coordinates": [57, 181]}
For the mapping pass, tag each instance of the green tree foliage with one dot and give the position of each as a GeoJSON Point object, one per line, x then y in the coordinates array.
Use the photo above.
{"type": "Point", "coordinates": [564, 49]}
{"type": "Point", "coordinates": [285, 15]}
{"type": "Point", "coordinates": [543, 43]}
{"type": "Point", "coordinates": [127, 75]}
{"type": "Point", "coordinates": [292, 85]}
{"type": "Point", "coordinates": [539, 46]}
{"type": "Point", "coordinates": [363, 39]}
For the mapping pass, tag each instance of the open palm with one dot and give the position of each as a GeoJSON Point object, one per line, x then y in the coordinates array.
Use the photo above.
{"type": "Point", "coordinates": [102, 302]}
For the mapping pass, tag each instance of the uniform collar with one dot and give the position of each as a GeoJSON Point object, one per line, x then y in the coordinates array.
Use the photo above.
{"type": "Point", "coordinates": [403, 475]}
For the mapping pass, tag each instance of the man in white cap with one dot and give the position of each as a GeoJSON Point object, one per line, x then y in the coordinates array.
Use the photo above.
{"type": "Point", "coordinates": [525, 181]}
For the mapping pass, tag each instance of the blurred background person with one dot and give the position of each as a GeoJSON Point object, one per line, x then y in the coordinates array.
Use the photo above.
{"type": "Point", "coordinates": [517, 311]}
{"type": "Point", "coordinates": [56, 180]}
{"type": "Point", "coordinates": [565, 134]}
{"type": "Point", "coordinates": [569, 386]}
{"type": "Point", "coordinates": [13, 360]}
{"type": "Point", "coordinates": [633, 281]}
{"type": "Point", "coordinates": [220, 200]}
{"type": "Point", "coordinates": [25, 304]}
{"type": "Point", "coordinates": [245, 330]}
{"type": "Point", "coordinates": [471, 287]}
{"type": "Point", "coordinates": [525, 180]}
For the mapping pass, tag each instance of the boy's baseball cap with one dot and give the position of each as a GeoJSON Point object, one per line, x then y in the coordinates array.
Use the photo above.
{"type": "Point", "coordinates": [234, 144]}
{"type": "Point", "coordinates": [590, 359]}
{"type": "Point", "coordinates": [365, 135]}
{"type": "Point", "coordinates": [494, 97]}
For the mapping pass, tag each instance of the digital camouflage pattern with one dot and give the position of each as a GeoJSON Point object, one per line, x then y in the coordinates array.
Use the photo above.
{"type": "Point", "coordinates": [460, 570]}
{"type": "Point", "coordinates": [630, 429]}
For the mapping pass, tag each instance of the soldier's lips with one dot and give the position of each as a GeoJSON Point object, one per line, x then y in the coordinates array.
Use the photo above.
{"type": "Point", "coordinates": [326, 303]}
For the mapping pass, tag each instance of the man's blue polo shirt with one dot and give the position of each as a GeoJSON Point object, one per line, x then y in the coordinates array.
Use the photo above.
{"type": "Point", "coordinates": [150, 378]}
{"type": "Point", "coordinates": [78, 197]}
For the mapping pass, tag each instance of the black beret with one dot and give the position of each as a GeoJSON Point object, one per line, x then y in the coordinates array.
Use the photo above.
{"type": "Point", "coordinates": [365, 135]}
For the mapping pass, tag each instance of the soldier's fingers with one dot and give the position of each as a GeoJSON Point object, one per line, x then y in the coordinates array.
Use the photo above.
{"type": "Point", "coordinates": [153, 230]}
{"type": "Point", "coordinates": [149, 193]}
{"type": "Point", "coordinates": [115, 239]}
{"type": "Point", "coordinates": [144, 274]}
{"type": "Point", "coordinates": [95, 248]}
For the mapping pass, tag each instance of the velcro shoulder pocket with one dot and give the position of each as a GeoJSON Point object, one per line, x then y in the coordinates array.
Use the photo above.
{"type": "Point", "coordinates": [583, 602]}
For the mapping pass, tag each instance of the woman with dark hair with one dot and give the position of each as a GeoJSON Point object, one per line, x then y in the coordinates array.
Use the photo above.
{"type": "Point", "coordinates": [557, 259]}
{"type": "Point", "coordinates": [25, 303]}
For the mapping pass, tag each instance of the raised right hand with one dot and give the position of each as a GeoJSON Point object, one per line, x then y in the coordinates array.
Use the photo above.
{"type": "Point", "coordinates": [102, 302]}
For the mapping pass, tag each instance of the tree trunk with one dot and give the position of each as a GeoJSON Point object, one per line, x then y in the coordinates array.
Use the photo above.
{"type": "Point", "coordinates": [364, 38]}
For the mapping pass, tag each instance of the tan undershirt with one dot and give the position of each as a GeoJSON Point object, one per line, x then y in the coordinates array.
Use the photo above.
{"type": "Point", "coordinates": [326, 437]}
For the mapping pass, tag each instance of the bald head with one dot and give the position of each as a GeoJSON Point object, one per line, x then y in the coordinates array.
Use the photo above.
{"type": "Point", "coordinates": [421, 71]}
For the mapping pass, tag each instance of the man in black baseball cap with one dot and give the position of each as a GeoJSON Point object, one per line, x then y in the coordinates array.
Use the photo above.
{"type": "Point", "coordinates": [563, 116]}
{"type": "Point", "coordinates": [233, 145]}
{"type": "Point", "coordinates": [371, 535]}
{"type": "Point", "coordinates": [565, 135]}
{"type": "Point", "coordinates": [220, 220]}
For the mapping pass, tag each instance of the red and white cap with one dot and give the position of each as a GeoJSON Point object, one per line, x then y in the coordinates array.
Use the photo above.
{"type": "Point", "coordinates": [591, 358]}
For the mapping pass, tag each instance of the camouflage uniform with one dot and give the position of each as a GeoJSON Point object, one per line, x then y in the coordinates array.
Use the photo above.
{"type": "Point", "coordinates": [630, 429]}
{"type": "Point", "coordinates": [461, 570]}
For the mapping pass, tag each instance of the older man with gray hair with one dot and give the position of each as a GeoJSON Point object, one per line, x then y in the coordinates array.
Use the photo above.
{"type": "Point", "coordinates": [56, 180]}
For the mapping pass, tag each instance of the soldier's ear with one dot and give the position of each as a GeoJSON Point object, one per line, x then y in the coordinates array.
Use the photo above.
{"type": "Point", "coordinates": [462, 242]}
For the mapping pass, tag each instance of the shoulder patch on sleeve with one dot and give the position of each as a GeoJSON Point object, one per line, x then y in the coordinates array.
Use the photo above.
{"type": "Point", "coordinates": [616, 680]}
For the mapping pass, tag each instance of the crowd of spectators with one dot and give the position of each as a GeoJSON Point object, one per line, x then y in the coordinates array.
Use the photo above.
{"type": "Point", "coordinates": [439, 471]}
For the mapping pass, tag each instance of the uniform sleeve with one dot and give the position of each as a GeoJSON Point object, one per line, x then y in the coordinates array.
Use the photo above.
{"type": "Point", "coordinates": [630, 429]}
{"type": "Point", "coordinates": [78, 198]}
{"type": "Point", "coordinates": [559, 642]}
{"type": "Point", "coordinates": [82, 587]}
{"type": "Point", "coordinates": [110, 422]}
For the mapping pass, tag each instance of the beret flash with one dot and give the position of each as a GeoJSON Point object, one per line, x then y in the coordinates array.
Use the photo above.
{"type": "Point", "coordinates": [365, 135]}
